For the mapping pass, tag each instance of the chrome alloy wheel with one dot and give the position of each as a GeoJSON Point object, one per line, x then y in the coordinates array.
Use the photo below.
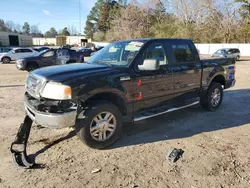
{"type": "Point", "coordinates": [103, 126]}
{"type": "Point", "coordinates": [215, 97]}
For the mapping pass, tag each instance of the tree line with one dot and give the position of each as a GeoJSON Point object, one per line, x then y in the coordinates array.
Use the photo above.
{"type": "Point", "coordinates": [204, 21]}
{"type": "Point", "coordinates": [33, 30]}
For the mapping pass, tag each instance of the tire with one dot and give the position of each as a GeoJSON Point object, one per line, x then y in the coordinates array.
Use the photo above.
{"type": "Point", "coordinates": [6, 60]}
{"type": "Point", "coordinates": [237, 58]}
{"type": "Point", "coordinates": [210, 103]}
{"type": "Point", "coordinates": [32, 66]}
{"type": "Point", "coordinates": [92, 116]}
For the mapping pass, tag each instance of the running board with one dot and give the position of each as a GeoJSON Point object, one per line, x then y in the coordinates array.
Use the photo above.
{"type": "Point", "coordinates": [139, 118]}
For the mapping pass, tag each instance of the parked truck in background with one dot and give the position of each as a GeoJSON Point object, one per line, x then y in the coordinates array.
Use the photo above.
{"type": "Point", "coordinates": [138, 79]}
{"type": "Point", "coordinates": [47, 58]}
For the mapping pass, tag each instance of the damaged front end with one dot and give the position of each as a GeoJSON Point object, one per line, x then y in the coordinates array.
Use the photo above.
{"type": "Point", "coordinates": [51, 113]}
{"type": "Point", "coordinates": [47, 113]}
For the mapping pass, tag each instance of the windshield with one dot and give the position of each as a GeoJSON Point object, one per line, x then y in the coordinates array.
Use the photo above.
{"type": "Point", "coordinates": [221, 52]}
{"type": "Point", "coordinates": [42, 52]}
{"type": "Point", "coordinates": [117, 54]}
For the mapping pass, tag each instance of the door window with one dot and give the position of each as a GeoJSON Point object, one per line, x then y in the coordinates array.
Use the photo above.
{"type": "Point", "coordinates": [62, 53]}
{"type": "Point", "coordinates": [26, 50]}
{"type": "Point", "coordinates": [18, 51]}
{"type": "Point", "coordinates": [49, 54]}
{"type": "Point", "coordinates": [183, 53]}
{"type": "Point", "coordinates": [156, 51]}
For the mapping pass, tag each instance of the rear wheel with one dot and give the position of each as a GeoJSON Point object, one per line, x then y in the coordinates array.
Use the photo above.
{"type": "Point", "coordinates": [213, 98]}
{"type": "Point", "coordinates": [101, 126]}
{"type": "Point", "coordinates": [32, 66]}
{"type": "Point", "coordinates": [237, 58]}
{"type": "Point", "coordinates": [6, 60]}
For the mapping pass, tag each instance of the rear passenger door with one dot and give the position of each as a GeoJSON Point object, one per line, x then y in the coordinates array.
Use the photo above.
{"type": "Point", "coordinates": [62, 56]}
{"type": "Point", "coordinates": [187, 72]}
{"type": "Point", "coordinates": [16, 54]}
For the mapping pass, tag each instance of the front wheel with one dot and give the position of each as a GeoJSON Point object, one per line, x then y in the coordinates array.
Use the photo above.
{"type": "Point", "coordinates": [213, 98]}
{"type": "Point", "coordinates": [101, 126]}
{"type": "Point", "coordinates": [32, 66]}
{"type": "Point", "coordinates": [6, 60]}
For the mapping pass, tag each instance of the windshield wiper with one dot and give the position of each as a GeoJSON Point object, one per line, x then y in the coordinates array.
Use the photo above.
{"type": "Point", "coordinates": [105, 63]}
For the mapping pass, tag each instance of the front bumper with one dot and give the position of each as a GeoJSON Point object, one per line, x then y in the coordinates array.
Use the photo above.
{"type": "Point", "coordinates": [20, 65]}
{"type": "Point", "coordinates": [50, 120]}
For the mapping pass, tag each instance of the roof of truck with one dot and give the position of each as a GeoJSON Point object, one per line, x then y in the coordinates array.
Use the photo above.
{"type": "Point", "coordinates": [150, 39]}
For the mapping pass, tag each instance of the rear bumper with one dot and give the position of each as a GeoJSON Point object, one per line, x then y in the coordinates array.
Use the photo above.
{"type": "Point", "coordinates": [50, 120]}
{"type": "Point", "coordinates": [229, 83]}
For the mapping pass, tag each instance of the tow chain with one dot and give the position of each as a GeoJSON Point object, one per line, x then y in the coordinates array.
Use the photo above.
{"type": "Point", "coordinates": [18, 147]}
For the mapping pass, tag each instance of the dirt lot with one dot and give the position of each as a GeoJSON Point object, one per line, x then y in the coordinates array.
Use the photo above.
{"type": "Point", "coordinates": [216, 145]}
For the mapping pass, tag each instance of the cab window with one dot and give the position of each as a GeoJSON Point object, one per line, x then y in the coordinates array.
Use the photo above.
{"type": "Point", "coordinates": [183, 53]}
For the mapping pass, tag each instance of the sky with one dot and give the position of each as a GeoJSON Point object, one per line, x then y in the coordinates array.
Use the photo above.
{"type": "Point", "coordinates": [46, 13]}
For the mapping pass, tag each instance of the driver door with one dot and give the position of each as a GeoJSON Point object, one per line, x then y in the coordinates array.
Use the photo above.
{"type": "Point", "coordinates": [48, 59]}
{"type": "Point", "coordinates": [154, 88]}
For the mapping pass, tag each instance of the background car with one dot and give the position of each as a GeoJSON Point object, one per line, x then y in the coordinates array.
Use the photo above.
{"type": "Point", "coordinates": [99, 48]}
{"type": "Point", "coordinates": [85, 51]}
{"type": "Point", "coordinates": [4, 49]}
{"type": "Point", "coordinates": [66, 46]}
{"type": "Point", "coordinates": [228, 53]}
{"type": "Point", "coordinates": [16, 53]}
{"type": "Point", "coordinates": [48, 57]}
{"type": "Point", "coordinates": [40, 49]}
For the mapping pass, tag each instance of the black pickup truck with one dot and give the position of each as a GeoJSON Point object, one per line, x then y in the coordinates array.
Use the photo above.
{"type": "Point", "coordinates": [140, 79]}
{"type": "Point", "coordinates": [49, 57]}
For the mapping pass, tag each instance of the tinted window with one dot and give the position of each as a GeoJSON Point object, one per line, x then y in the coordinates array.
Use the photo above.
{"type": "Point", "coordinates": [156, 51]}
{"type": "Point", "coordinates": [18, 51]}
{"type": "Point", "coordinates": [26, 50]}
{"type": "Point", "coordinates": [183, 52]}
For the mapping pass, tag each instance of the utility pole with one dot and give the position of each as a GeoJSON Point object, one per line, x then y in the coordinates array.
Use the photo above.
{"type": "Point", "coordinates": [80, 23]}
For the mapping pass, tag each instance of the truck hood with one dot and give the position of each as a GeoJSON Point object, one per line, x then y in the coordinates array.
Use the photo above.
{"type": "Point", "coordinates": [62, 73]}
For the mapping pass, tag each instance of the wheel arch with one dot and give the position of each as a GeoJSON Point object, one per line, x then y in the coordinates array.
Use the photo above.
{"type": "Point", "coordinates": [5, 57]}
{"type": "Point", "coordinates": [32, 62]}
{"type": "Point", "coordinates": [114, 98]}
{"type": "Point", "coordinates": [219, 79]}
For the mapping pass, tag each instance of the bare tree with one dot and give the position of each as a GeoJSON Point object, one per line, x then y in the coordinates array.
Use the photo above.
{"type": "Point", "coordinates": [10, 25]}
{"type": "Point", "coordinates": [131, 22]}
{"type": "Point", "coordinates": [72, 30]}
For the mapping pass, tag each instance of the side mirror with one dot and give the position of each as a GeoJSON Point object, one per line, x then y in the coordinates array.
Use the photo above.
{"type": "Point", "coordinates": [229, 52]}
{"type": "Point", "coordinates": [149, 65]}
{"type": "Point", "coordinates": [13, 52]}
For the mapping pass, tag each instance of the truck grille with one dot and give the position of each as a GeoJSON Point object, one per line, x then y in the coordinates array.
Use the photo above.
{"type": "Point", "coordinates": [34, 84]}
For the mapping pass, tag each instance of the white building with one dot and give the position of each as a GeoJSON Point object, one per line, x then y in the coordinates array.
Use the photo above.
{"type": "Point", "coordinates": [71, 40]}
{"type": "Point", "coordinates": [43, 41]}
{"type": "Point", "coordinates": [14, 39]}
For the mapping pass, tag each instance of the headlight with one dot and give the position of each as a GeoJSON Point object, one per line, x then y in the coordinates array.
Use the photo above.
{"type": "Point", "coordinates": [20, 60]}
{"type": "Point", "coordinates": [57, 91]}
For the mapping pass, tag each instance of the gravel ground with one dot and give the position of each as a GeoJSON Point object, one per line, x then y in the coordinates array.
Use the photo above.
{"type": "Point", "coordinates": [216, 145]}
